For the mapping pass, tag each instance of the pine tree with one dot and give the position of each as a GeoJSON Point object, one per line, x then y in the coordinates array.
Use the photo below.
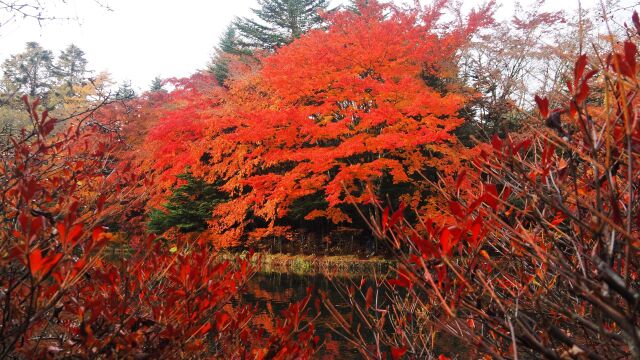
{"type": "Point", "coordinates": [71, 69]}
{"type": "Point", "coordinates": [279, 22]}
{"type": "Point", "coordinates": [29, 72]}
{"type": "Point", "coordinates": [125, 91]}
{"type": "Point", "coordinates": [156, 85]}
{"type": "Point", "coordinates": [188, 208]}
{"type": "Point", "coordinates": [227, 48]}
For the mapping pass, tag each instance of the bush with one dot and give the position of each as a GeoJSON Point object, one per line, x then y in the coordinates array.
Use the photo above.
{"type": "Point", "coordinates": [537, 255]}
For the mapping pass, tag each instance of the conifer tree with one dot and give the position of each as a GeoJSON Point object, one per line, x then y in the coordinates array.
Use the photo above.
{"type": "Point", "coordinates": [71, 69]}
{"type": "Point", "coordinates": [156, 85]}
{"type": "Point", "coordinates": [279, 22]}
{"type": "Point", "coordinates": [125, 91]}
{"type": "Point", "coordinates": [29, 72]}
{"type": "Point", "coordinates": [228, 47]}
{"type": "Point", "coordinates": [188, 208]}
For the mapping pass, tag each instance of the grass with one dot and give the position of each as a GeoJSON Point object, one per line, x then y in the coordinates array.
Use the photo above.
{"type": "Point", "coordinates": [343, 265]}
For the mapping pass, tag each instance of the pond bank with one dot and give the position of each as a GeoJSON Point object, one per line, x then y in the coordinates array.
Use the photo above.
{"type": "Point", "coordinates": [341, 266]}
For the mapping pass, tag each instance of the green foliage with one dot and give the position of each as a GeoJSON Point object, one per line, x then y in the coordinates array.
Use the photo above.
{"type": "Point", "coordinates": [279, 22]}
{"type": "Point", "coordinates": [71, 69]}
{"type": "Point", "coordinates": [30, 72]}
{"type": "Point", "coordinates": [37, 73]}
{"type": "Point", "coordinates": [188, 208]}
{"type": "Point", "coordinates": [228, 47]}
{"type": "Point", "coordinates": [156, 85]}
{"type": "Point", "coordinates": [125, 91]}
{"type": "Point", "coordinates": [276, 23]}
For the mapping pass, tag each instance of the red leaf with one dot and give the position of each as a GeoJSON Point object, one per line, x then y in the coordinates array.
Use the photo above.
{"type": "Point", "coordinates": [590, 74]}
{"type": "Point", "coordinates": [445, 241]}
{"type": "Point", "coordinates": [506, 191]}
{"type": "Point", "coordinates": [222, 319]}
{"type": "Point", "coordinates": [397, 353]}
{"type": "Point", "coordinates": [49, 262]}
{"type": "Point", "coordinates": [397, 215]}
{"type": "Point", "coordinates": [36, 225]}
{"type": "Point", "coordinates": [582, 94]}
{"type": "Point", "coordinates": [100, 203]}
{"type": "Point", "coordinates": [385, 219]}
{"type": "Point", "coordinates": [570, 86]}
{"type": "Point", "coordinates": [368, 298]}
{"type": "Point", "coordinates": [205, 328]}
{"type": "Point", "coordinates": [456, 208]}
{"type": "Point", "coordinates": [490, 196]}
{"type": "Point", "coordinates": [24, 222]}
{"type": "Point", "coordinates": [97, 231]}
{"type": "Point", "coordinates": [74, 234]}
{"type": "Point", "coordinates": [403, 279]}
{"type": "Point", "coordinates": [62, 232]}
{"type": "Point", "coordinates": [581, 63]}
{"type": "Point", "coordinates": [475, 232]}
{"type": "Point", "coordinates": [573, 110]}
{"type": "Point", "coordinates": [558, 219]}
{"type": "Point", "coordinates": [543, 106]}
{"type": "Point", "coordinates": [35, 262]}
{"type": "Point", "coordinates": [496, 142]}
{"type": "Point", "coordinates": [630, 53]}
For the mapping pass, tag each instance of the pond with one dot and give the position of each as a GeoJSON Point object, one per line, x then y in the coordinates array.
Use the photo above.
{"type": "Point", "coordinates": [278, 290]}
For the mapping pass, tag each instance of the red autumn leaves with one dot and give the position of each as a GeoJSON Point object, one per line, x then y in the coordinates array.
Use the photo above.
{"type": "Point", "coordinates": [328, 116]}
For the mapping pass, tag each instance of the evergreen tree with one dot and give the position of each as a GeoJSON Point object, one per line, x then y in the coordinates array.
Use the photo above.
{"type": "Point", "coordinates": [279, 22]}
{"type": "Point", "coordinates": [71, 69]}
{"type": "Point", "coordinates": [125, 91]}
{"type": "Point", "coordinates": [188, 208]}
{"type": "Point", "coordinates": [156, 85]}
{"type": "Point", "coordinates": [227, 48]}
{"type": "Point", "coordinates": [229, 42]}
{"type": "Point", "coordinates": [29, 72]}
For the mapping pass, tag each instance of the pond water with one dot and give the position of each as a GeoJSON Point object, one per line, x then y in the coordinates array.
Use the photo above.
{"type": "Point", "coordinates": [281, 289]}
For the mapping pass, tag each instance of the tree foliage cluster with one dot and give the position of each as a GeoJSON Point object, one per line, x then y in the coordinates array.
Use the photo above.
{"type": "Point", "coordinates": [64, 85]}
{"type": "Point", "coordinates": [303, 126]}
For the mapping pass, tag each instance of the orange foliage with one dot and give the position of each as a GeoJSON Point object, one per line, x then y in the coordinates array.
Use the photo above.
{"type": "Point", "coordinates": [331, 114]}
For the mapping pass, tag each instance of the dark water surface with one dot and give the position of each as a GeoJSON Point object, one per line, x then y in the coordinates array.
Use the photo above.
{"type": "Point", "coordinates": [281, 289]}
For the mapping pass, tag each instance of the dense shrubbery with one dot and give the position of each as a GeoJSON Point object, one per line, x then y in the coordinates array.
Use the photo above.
{"type": "Point", "coordinates": [539, 255]}
{"type": "Point", "coordinates": [66, 200]}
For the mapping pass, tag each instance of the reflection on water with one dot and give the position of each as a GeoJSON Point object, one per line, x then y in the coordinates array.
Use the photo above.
{"type": "Point", "coordinates": [278, 290]}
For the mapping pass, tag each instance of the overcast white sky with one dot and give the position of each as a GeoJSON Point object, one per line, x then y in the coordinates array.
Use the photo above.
{"type": "Point", "coordinates": [141, 39]}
